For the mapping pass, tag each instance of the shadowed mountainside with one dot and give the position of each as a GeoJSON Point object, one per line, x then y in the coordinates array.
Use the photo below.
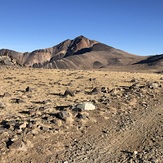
{"type": "Point", "coordinates": [153, 60]}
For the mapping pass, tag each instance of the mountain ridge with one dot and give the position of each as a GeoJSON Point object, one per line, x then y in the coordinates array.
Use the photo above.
{"type": "Point", "coordinates": [78, 53]}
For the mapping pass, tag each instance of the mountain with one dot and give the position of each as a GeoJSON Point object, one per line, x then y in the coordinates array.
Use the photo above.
{"type": "Point", "coordinates": [43, 56]}
{"type": "Point", "coordinates": [79, 53]}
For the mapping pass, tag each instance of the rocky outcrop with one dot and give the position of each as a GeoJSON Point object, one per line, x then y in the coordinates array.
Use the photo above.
{"type": "Point", "coordinates": [7, 61]}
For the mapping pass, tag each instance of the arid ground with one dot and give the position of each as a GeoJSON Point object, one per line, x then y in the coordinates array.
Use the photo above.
{"type": "Point", "coordinates": [40, 120]}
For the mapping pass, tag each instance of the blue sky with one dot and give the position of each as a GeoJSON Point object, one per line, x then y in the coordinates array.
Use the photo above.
{"type": "Point", "coordinates": [135, 26]}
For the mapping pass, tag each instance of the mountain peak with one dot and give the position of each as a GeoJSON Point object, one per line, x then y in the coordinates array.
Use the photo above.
{"type": "Point", "coordinates": [79, 43]}
{"type": "Point", "coordinates": [81, 36]}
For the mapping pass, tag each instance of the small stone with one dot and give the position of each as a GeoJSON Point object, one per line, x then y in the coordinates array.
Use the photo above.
{"type": "Point", "coordinates": [6, 94]}
{"type": "Point", "coordinates": [7, 124]}
{"type": "Point", "coordinates": [68, 92]}
{"type": "Point", "coordinates": [2, 105]}
{"type": "Point", "coordinates": [44, 128]}
{"type": "Point", "coordinates": [81, 116]}
{"type": "Point", "coordinates": [9, 142]}
{"type": "Point", "coordinates": [26, 112]}
{"type": "Point", "coordinates": [114, 92]}
{"type": "Point", "coordinates": [63, 115]}
{"type": "Point", "coordinates": [42, 108]}
{"type": "Point", "coordinates": [23, 125]}
{"type": "Point", "coordinates": [28, 89]}
{"type": "Point", "coordinates": [95, 90]}
{"type": "Point", "coordinates": [104, 90]}
{"type": "Point", "coordinates": [35, 131]}
{"type": "Point", "coordinates": [134, 80]}
{"type": "Point", "coordinates": [135, 152]}
{"type": "Point", "coordinates": [92, 79]}
{"type": "Point", "coordinates": [17, 100]}
{"type": "Point", "coordinates": [154, 85]}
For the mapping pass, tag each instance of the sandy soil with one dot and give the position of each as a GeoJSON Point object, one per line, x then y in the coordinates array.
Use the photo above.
{"type": "Point", "coordinates": [39, 122]}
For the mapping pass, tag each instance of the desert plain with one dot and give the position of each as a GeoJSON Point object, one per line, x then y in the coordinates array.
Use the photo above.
{"type": "Point", "coordinates": [40, 120]}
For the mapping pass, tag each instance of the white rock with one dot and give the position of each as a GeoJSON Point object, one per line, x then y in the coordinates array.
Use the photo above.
{"type": "Point", "coordinates": [86, 106]}
{"type": "Point", "coordinates": [154, 85]}
{"type": "Point", "coordinates": [23, 125]}
{"type": "Point", "coordinates": [135, 152]}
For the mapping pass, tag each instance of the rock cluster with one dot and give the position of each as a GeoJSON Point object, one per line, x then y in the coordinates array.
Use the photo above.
{"type": "Point", "coordinates": [6, 60]}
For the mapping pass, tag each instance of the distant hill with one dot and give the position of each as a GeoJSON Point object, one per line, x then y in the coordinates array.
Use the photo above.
{"type": "Point", "coordinates": [79, 53]}
{"type": "Point", "coordinates": [156, 60]}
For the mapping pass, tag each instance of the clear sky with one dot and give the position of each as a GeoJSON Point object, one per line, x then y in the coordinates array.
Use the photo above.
{"type": "Point", "coordinates": [135, 26]}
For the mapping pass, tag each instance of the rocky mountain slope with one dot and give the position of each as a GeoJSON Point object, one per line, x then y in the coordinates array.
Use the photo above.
{"type": "Point", "coordinates": [78, 53]}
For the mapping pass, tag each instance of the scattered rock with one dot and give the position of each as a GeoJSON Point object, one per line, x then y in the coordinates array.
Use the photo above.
{"type": "Point", "coordinates": [68, 92]}
{"type": "Point", "coordinates": [134, 80]}
{"type": "Point", "coordinates": [92, 79]}
{"type": "Point", "coordinates": [5, 124]}
{"type": "Point", "coordinates": [104, 90]}
{"type": "Point", "coordinates": [95, 90]}
{"type": "Point", "coordinates": [28, 89]}
{"type": "Point", "coordinates": [44, 128]}
{"type": "Point", "coordinates": [135, 152]}
{"type": "Point", "coordinates": [154, 85]}
{"type": "Point", "coordinates": [61, 108]}
{"type": "Point", "coordinates": [17, 100]}
{"type": "Point", "coordinates": [42, 108]}
{"type": "Point", "coordinates": [42, 102]}
{"type": "Point", "coordinates": [65, 161]}
{"type": "Point", "coordinates": [104, 100]}
{"type": "Point", "coordinates": [26, 112]}
{"type": "Point", "coordinates": [5, 60]}
{"type": "Point", "coordinates": [9, 142]}
{"type": "Point", "coordinates": [2, 105]}
{"type": "Point", "coordinates": [114, 91]}
{"type": "Point", "coordinates": [63, 115]}
{"type": "Point", "coordinates": [23, 125]}
{"type": "Point", "coordinates": [81, 116]}
{"type": "Point", "coordinates": [84, 106]}
{"type": "Point", "coordinates": [6, 94]}
{"type": "Point", "coordinates": [35, 131]}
